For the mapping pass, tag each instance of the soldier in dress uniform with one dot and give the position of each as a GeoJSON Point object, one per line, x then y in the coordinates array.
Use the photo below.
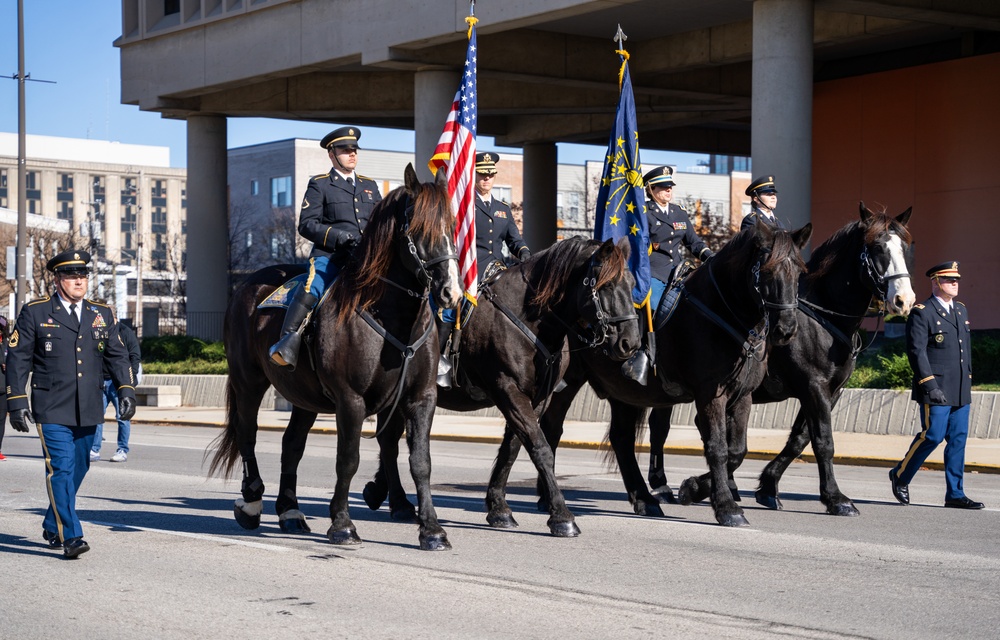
{"type": "Point", "coordinates": [669, 229]}
{"type": "Point", "coordinates": [939, 347]}
{"type": "Point", "coordinates": [64, 341]}
{"type": "Point", "coordinates": [763, 200]}
{"type": "Point", "coordinates": [495, 224]}
{"type": "Point", "coordinates": [495, 227]}
{"type": "Point", "coordinates": [335, 211]}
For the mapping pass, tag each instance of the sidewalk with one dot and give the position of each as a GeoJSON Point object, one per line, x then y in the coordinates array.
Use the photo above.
{"type": "Point", "coordinates": [981, 455]}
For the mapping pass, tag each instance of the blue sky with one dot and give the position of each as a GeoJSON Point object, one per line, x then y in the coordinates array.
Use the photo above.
{"type": "Point", "coordinates": [70, 43]}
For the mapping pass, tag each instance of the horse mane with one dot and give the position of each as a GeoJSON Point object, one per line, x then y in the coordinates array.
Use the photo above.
{"type": "Point", "coordinates": [732, 254]}
{"type": "Point", "coordinates": [558, 262]}
{"type": "Point", "coordinates": [826, 255]}
{"type": "Point", "coordinates": [359, 284]}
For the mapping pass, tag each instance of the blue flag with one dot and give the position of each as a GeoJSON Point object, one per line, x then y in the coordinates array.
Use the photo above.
{"type": "Point", "coordinates": [621, 203]}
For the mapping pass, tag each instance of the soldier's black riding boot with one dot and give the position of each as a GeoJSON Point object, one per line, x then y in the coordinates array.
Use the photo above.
{"type": "Point", "coordinates": [444, 365]}
{"type": "Point", "coordinates": [285, 351]}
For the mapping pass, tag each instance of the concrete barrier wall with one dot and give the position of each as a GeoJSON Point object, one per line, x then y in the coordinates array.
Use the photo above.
{"type": "Point", "coordinates": [876, 411]}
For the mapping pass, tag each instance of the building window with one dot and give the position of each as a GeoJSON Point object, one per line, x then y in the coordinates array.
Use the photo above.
{"type": "Point", "coordinates": [281, 191]}
{"type": "Point", "coordinates": [502, 193]}
{"type": "Point", "coordinates": [158, 228]}
{"type": "Point", "coordinates": [33, 189]}
{"type": "Point", "coordinates": [3, 189]}
{"type": "Point", "coordinates": [171, 7]}
{"type": "Point", "coordinates": [254, 188]}
{"type": "Point", "coordinates": [130, 209]}
{"type": "Point", "coordinates": [64, 196]}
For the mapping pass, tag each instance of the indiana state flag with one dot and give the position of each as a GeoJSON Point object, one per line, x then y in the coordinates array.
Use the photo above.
{"type": "Point", "coordinates": [621, 208]}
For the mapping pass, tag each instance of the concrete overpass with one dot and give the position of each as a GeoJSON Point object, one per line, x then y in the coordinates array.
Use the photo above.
{"type": "Point", "coordinates": [712, 76]}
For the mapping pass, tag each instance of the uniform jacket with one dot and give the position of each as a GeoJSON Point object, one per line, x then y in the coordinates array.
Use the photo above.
{"type": "Point", "coordinates": [334, 212]}
{"type": "Point", "coordinates": [670, 229]}
{"type": "Point", "coordinates": [66, 362]}
{"type": "Point", "coordinates": [495, 226]}
{"type": "Point", "coordinates": [939, 347]}
{"type": "Point", "coordinates": [750, 220]}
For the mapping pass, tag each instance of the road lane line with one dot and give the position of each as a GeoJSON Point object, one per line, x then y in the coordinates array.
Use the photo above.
{"type": "Point", "coordinates": [197, 536]}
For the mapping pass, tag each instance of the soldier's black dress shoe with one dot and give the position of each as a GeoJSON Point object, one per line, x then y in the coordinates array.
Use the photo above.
{"type": "Point", "coordinates": [74, 547]}
{"type": "Point", "coordinates": [963, 503]}
{"type": "Point", "coordinates": [52, 539]}
{"type": "Point", "coordinates": [901, 491]}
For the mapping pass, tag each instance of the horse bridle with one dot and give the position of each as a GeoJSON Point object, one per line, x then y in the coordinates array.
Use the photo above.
{"type": "Point", "coordinates": [602, 319]}
{"type": "Point", "coordinates": [880, 281]}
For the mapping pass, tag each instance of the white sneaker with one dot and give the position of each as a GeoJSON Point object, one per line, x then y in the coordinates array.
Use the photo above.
{"type": "Point", "coordinates": [120, 456]}
{"type": "Point", "coordinates": [95, 455]}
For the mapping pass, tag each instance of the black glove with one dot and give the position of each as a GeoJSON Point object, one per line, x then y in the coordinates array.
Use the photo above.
{"type": "Point", "coordinates": [523, 254]}
{"type": "Point", "coordinates": [20, 419]}
{"type": "Point", "coordinates": [126, 408]}
{"type": "Point", "coordinates": [706, 254]}
{"type": "Point", "coordinates": [351, 243]}
{"type": "Point", "coordinates": [936, 396]}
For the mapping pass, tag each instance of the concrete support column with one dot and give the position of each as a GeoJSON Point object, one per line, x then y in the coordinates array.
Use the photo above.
{"type": "Point", "coordinates": [781, 121]}
{"type": "Point", "coordinates": [433, 93]}
{"type": "Point", "coordinates": [541, 162]}
{"type": "Point", "coordinates": [207, 226]}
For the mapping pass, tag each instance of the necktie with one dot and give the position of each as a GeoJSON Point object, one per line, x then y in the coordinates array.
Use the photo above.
{"type": "Point", "coordinates": [350, 182]}
{"type": "Point", "coordinates": [72, 311]}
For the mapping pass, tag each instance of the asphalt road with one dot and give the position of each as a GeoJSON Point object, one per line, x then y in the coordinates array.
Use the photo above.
{"type": "Point", "coordinates": [169, 561]}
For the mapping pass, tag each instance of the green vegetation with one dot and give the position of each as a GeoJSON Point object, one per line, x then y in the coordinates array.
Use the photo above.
{"type": "Point", "coordinates": [885, 366]}
{"type": "Point", "coordinates": [184, 355]}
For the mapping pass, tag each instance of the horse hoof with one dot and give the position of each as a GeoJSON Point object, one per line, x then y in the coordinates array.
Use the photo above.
{"type": "Point", "coordinates": [249, 521]}
{"type": "Point", "coordinates": [564, 529]}
{"type": "Point", "coordinates": [665, 495]}
{"type": "Point", "coordinates": [343, 537]}
{"type": "Point", "coordinates": [435, 542]}
{"type": "Point", "coordinates": [649, 509]}
{"type": "Point", "coordinates": [404, 514]}
{"type": "Point", "coordinates": [688, 491]}
{"type": "Point", "coordinates": [733, 520]}
{"type": "Point", "coordinates": [768, 500]}
{"type": "Point", "coordinates": [293, 522]}
{"type": "Point", "coordinates": [843, 509]}
{"type": "Point", "coordinates": [502, 520]}
{"type": "Point", "coordinates": [374, 496]}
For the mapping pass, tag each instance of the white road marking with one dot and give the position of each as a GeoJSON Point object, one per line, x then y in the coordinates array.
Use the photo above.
{"type": "Point", "coordinates": [198, 536]}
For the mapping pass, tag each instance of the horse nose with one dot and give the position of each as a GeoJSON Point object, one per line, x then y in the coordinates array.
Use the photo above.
{"type": "Point", "coordinates": [902, 305]}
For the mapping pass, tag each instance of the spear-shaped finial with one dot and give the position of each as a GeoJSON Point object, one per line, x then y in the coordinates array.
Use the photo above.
{"type": "Point", "coordinates": [472, 7]}
{"type": "Point", "coordinates": [620, 37]}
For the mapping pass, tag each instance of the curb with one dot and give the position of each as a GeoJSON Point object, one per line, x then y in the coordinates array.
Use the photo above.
{"type": "Point", "coordinates": [760, 454]}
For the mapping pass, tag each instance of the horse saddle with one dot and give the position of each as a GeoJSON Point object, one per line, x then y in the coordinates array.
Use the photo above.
{"type": "Point", "coordinates": [281, 297]}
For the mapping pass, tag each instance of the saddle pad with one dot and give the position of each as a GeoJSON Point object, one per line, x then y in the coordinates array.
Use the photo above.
{"type": "Point", "coordinates": [281, 296]}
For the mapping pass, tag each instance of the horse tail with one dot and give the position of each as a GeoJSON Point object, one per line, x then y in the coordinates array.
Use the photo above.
{"type": "Point", "coordinates": [610, 460]}
{"type": "Point", "coordinates": [227, 451]}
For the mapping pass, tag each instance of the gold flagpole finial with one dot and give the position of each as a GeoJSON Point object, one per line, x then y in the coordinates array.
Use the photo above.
{"type": "Point", "coordinates": [620, 38]}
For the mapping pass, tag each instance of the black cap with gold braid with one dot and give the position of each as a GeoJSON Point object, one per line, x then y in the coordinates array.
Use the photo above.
{"type": "Point", "coordinates": [73, 261]}
{"type": "Point", "coordinates": [944, 270]}
{"type": "Point", "coordinates": [763, 184]}
{"type": "Point", "coordinates": [487, 162]}
{"type": "Point", "coordinates": [342, 137]}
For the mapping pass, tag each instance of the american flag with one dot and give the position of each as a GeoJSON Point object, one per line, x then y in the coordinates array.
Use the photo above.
{"type": "Point", "coordinates": [456, 153]}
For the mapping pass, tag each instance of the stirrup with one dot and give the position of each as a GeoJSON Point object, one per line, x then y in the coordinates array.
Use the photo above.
{"type": "Point", "coordinates": [637, 367]}
{"type": "Point", "coordinates": [444, 373]}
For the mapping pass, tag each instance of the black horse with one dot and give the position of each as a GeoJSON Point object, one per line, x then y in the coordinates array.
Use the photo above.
{"type": "Point", "coordinates": [861, 263]}
{"type": "Point", "coordinates": [513, 352]}
{"type": "Point", "coordinates": [372, 350]}
{"type": "Point", "coordinates": [712, 351]}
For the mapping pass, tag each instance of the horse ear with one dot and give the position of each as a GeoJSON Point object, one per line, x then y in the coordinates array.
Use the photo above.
{"type": "Point", "coordinates": [904, 217]}
{"type": "Point", "coordinates": [801, 236]}
{"type": "Point", "coordinates": [625, 247]}
{"type": "Point", "coordinates": [441, 177]}
{"type": "Point", "coordinates": [410, 180]}
{"type": "Point", "coordinates": [865, 212]}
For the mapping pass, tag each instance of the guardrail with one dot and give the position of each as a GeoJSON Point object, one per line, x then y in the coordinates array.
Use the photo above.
{"type": "Point", "coordinates": [875, 411]}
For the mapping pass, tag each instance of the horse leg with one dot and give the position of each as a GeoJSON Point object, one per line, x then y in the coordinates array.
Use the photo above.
{"type": "Point", "coordinates": [420, 415]}
{"type": "Point", "coordinates": [387, 483]}
{"type": "Point", "coordinates": [821, 435]}
{"type": "Point", "coordinates": [767, 484]}
{"type": "Point", "coordinates": [552, 421]}
{"type": "Point", "coordinates": [622, 434]}
{"type": "Point", "coordinates": [349, 419]}
{"type": "Point", "coordinates": [711, 421]}
{"type": "Point", "coordinates": [498, 512]}
{"type": "Point", "coordinates": [244, 401]}
{"type": "Point", "coordinates": [659, 429]}
{"type": "Point", "coordinates": [736, 441]}
{"type": "Point", "coordinates": [522, 419]}
{"type": "Point", "coordinates": [293, 445]}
